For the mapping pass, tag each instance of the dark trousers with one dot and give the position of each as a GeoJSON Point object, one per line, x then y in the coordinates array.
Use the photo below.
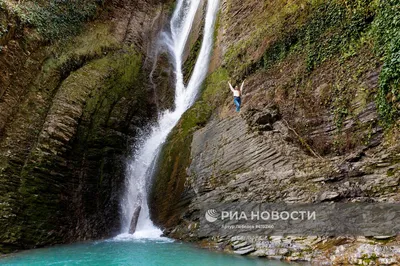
{"type": "Point", "coordinates": [237, 101]}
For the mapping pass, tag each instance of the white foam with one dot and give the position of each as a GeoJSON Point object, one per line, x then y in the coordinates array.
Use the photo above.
{"type": "Point", "coordinates": [141, 167]}
{"type": "Point", "coordinates": [143, 236]}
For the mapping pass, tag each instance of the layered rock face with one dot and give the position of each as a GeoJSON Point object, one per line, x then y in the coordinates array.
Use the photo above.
{"type": "Point", "coordinates": [74, 94]}
{"type": "Point", "coordinates": [312, 127]}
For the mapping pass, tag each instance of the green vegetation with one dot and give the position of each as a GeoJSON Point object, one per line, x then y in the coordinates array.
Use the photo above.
{"type": "Point", "coordinates": [368, 259]}
{"type": "Point", "coordinates": [53, 19]}
{"type": "Point", "coordinates": [316, 31]}
{"type": "Point", "coordinates": [269, 26]}
{"type": "Point", "coordinates": [120, 73]}
{"type": "Point", "coordinates": [387, 34]}
{"type": "Point", "coordinates": [95, 42]}
{"type": "Point", "coordinates": [211, 97]}
{"type": "Point", "coordinates": [217, 27]}
{"type": "Point", "coordinates": [338, 27]}
{"type": "Point", "coordinates": [319, 31]}
{"type": "Point", "coordinates": [91, 79]}
{"type": "Point", "coordinates": [102, 83]}
{"type": "Point", "coordinates": [191, 60]}
{"type": "Point", "coordinates": [330, 28]}
{"type": "Point", "coordinates": [175, 155]}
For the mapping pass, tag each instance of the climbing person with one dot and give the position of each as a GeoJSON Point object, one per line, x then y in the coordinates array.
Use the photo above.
{"type": "Point", "coordinates": [237, 93]}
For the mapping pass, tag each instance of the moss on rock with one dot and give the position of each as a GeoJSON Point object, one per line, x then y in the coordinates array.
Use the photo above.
{"type": "Point", "coordinates": [77, 107]}
{"type": "Point", "coordinates": [167, 192]}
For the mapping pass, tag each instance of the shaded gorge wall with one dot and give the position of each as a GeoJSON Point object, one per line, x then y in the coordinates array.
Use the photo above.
{"type": "Point", "coordinates": [74, 95]}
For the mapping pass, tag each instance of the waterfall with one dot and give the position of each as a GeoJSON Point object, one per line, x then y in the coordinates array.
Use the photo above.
{"type": "Point", "coordinates": [134, 202]}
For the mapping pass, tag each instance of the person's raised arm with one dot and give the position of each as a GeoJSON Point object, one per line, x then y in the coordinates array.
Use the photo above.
{"type": "Point", "coordinates": [241, 88]}
{"type": "Point", "coordinates": [230, 86]}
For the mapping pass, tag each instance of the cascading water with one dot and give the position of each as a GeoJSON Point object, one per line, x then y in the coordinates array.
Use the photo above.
{"type": "Point", "coordinates": [134, 201]}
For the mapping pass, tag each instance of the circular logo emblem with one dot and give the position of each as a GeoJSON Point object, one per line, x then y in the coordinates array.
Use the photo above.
{"type": "Point", "coordinates": [212, 215]}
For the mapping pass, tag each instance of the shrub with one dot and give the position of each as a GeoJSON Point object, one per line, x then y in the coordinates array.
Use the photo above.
{"type": "Point", "coordinates": [57, 19]}
{"type": "Point", "coordinates": [387, 34]}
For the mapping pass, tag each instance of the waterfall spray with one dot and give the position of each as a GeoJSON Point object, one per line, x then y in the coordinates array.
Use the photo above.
{"type": "Point", "coordinates": [134, 202]}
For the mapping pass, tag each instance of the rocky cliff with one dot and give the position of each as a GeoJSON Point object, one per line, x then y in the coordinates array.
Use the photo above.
{"type": "Point", "coordinates": [320, 122]}
{"type": "Point", "coordinates": [74, 93]}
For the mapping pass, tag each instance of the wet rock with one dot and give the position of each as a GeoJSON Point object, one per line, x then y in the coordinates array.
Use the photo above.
{"type": "Point", "coordinates": [388, 261]}
{"type": "Point", "coordinates": [283, 251]}
{"type": "Point", "coordinates": [244, 250]}
{"type": "Point", "coordinates": [240, 245]}
{"type": "Point", "coordinates": [384, 237]}
{"type": "Point", "coordinates": [259, 253]}
{"type": "Point", "coordinates": [135, 219]}
{"type": "Point", "coordinates": [67, 128]}
{"type": "Point", "coordinates": [242, 165]}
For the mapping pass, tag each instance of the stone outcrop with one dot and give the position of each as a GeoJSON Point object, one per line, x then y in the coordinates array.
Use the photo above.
{"type": "Point", "coordinates": [70, 112]}
{"type": "Point", "coordinates": [239, 164]}
{"type": "Point", "coordinates": [231, 160]}
{"type": "Point", "coordinates": [309, 130]}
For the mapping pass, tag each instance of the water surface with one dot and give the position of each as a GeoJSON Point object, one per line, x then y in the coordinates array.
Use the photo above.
{"type": "Point", "coordinates": [130, 252]}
